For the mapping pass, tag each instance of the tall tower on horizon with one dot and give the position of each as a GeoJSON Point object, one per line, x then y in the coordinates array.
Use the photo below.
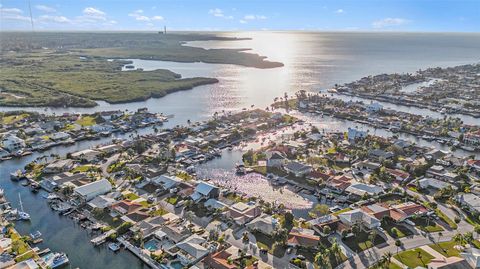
{"type": "Point", "coordinates": [164, 29]}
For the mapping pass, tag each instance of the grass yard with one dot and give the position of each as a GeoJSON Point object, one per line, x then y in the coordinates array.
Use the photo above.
{"type": "Point", "coordinates": [172, 200]}
{"type": "Point", "coordinates": [360, 242]}
{"type": "Point", "coordinates": [267, 242]}
{"type": "Point", "coordinates": [342, 211]}
{"type": "Point", "coordinates": [131, 196]}
{"type": "Point", "coordinates": [81, 169]}
{"type": "Point", "coordinates": [446, 219]}
{"type": "Point", "coordinates": [414, 257]}
{"type": "Point", "coordinates": [12, 118]}
{"type": "Point", "coordinates": [394, 266]}
{"type": "Point", "coordinates": [427, 226]}
{"type": "Point", "coordinates": [400, 231]}
{"type": "Point", "coordinates": [86, 121]}
{"type": "Point", "coordinates": [446, 248]}
{"type": "Point", "coordinates": [105, 217]}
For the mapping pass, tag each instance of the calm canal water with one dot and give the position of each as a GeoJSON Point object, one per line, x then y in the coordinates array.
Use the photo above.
{"type": "Point", "coordinates": [313, 61]}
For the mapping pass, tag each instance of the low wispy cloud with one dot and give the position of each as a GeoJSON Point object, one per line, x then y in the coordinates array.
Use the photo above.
{"type": "Point", "coordinates": [251, 17]}
{"type": "Point", "coordinates": [45, 8]}
{"type": "Point", "coordinates": [339, 11]}
{"type": "Point", "coordinates": [139, 16]}
{"type": "Point", "coordinates": [92, 15]}
{"type": "Point", "coordinates": [216, 12]}
{"type": "Point", "coordinates": [12, 14]}
{"type": "Point", "coordinates": [389, 22]}
{"type": "Point", "coordinates": [54, 19]}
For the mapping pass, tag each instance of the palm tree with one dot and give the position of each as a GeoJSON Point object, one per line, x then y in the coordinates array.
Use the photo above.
{"type": "Point", "coordinates": [387, 257]}
{"type": "Point", "coordinates": [440, 234]}
{"type": "Point", "coordinates": [371, 238]}
{"type": "Point", "coordinates": [477, 229]}
{"type": "Point", "coordinates": [468, 237]}
{"type": "Point", "coordinates": [458, 238]}
{"type": "Point", "coordinates": [398, 244]}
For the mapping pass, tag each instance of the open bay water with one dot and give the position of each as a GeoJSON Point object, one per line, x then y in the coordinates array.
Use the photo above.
{"type": "Point", "coordinates": [313, 61]}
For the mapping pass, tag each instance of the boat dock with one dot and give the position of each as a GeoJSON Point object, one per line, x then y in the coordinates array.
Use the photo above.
{"type": "Point", "coordinates": [102, 238]}
{"type": "Point", "coordinates": [145, 258]}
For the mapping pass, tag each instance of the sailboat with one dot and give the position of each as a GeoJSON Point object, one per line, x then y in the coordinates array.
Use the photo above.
{"type": "Point", "coordinates": [22, 215]}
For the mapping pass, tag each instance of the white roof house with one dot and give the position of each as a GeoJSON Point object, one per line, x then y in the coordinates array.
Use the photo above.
{"type": "Point", "coordinates": [87, 154]}
{"type": "Point", "coordinates": [12, 143]}
{"type": "Point", "coordinates": [91, 190]}
{"type": "Point", "coordinates": [361, 189]}
{"type": "Point", "coordinates": [205, 190]}
{"type": "Point", "coordinates": [264, 223]}
{"type": "Point", "coordinates": [358, 216]}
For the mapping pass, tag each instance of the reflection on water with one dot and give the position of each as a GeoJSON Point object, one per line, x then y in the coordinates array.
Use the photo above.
{"type": "Point", "coordinates": [255, 185]}
{"type": "Point", "coordinates": [312, 61]}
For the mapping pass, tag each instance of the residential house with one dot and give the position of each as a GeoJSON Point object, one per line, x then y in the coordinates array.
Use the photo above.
{"type": "Point", "coordinates": [101, 202]}
{"type": "Point", "coordinates": [264, 223]}
{"type": "Point", "coordinates": [339, 183]}
{"type": "Point", "coordinates": [297, 169]}
{"type": "Point", "coordinates": [432, 183]}
{"type": "Point", "coordinates": [58, 166]}
{"type": "Point", "coordinates": [472, 256]}
{"type": "Point", "coordinates": [166, 182]}
{"type": "Point", "coordinates": [205, 191]}
{"type": "Point", "coordinates": [359, 217]}
{"type": "Point", "coordinates": [242, 213]}
{"type": "Point", "coordinates": [374, 107]}
{"type": "Point", "coordinates": [354, 134]}
{"type": "Point", "coordinates": [361, 189]}
{"type": "Point", "coordinates": [13, 143]}
{"type": "Point", "coordinates": [89, 191]}
{"type": "Point", "coordinates": [302, 239]}
{"type": "Point", "coordinates": [366, 165]}
{"type": "Point", "coordinates": [88, 155]}
{"type": "Point", "coordinates": [469, 201]}
{"type": "Point", "coordinates": [192, 250]}
{"type": "Point", "coordinates": [275, 159]}
{"type": "Point", "coordinates": [398, 175]}
{"type": "Point", "coordinates": [219, 260]}
{"type": "Point", "coordinates": [125, 207]}
{"type": "Point", "coordinates": [378, 154]}
{"type": "Point", "coordinates": [439, 172]}
{"type": "Point", "coordinates": [472, 138]}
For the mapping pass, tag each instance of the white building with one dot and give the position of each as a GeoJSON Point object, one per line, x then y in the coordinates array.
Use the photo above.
{"type": "Point", "coordinates": [13, 143]}
{"type": "Point", "coordinates": [91, 190]}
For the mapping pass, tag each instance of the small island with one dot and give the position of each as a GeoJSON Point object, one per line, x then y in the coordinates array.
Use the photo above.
{"type": "Point", "coordinates": [35, 65]}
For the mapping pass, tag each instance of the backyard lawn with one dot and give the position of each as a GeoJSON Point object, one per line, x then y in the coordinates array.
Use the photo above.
{"type": "Point", "coordinates": [86, 121]}
{"type": "Point", "coordinates": [414, 257]}
{"type": "Point", "coordinates": [427, 226]}
{"type": "Point", "coordinates": [393, 266]}
{"type": "Point", "coordinates": [446, 219]}
{"type": "Point", "coordinates": [360, 242]}
{"type": "Point", "coordinates": [446, 248]}
{"type": "Point", "coordinates": [395, 230]}
{"type": "Point", "coordinates": [267, 242]}
{"type": "Point", "coordinates": [131, 196]}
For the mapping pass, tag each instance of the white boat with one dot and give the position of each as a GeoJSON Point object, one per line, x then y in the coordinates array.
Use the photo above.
{"type": "Point", "coordinates": [22, 215]}
{"type": "Point", "coordinates": [17, 175]}
{"type": "Point", "coordinates": [114, 247]}
{"type": "Point", "coordinates": [55, 260]}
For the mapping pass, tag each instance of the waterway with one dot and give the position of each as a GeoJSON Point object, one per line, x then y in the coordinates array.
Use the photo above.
{"type": "Point", "coordinates": [313, 61]}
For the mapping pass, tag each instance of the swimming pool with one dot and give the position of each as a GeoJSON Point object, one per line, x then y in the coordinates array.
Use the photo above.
{"type": "Point", "coordinates": [151, 245]}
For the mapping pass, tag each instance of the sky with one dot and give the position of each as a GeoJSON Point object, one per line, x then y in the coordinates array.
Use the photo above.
{"type": "Point", "coordinates": [239, 15]}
